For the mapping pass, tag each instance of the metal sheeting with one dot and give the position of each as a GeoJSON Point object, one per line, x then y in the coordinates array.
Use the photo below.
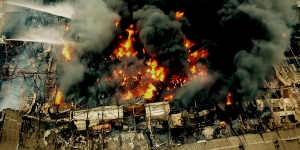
{"type": "Point", "coordinates": [159, 111]}
{"type": "Point", "coordinates": [96, 115]}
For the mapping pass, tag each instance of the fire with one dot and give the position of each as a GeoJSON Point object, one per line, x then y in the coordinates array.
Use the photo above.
{"type": "Point", "coordinates": [169, 97]}
{"type": "Point", "coordinates": [199, 70]}
{"type": "Point", "coordinates": [117, 23]}
{"type": "Point", "coordinates": [229, 100]}
{"type": "Point", "coordinates": [158, 73]}
{"type": "Point", "coordinates": [222, 123]}
{"type": "Point", "coordinates": [179, 15]}
{"type": "Point", "coordinates": [196, 68]}
{"type": "Point", "coordinates": [126, 47]}
{"type": "Point", "coordinates": [128, 96]}
{"type": "Point", "coordinates": [120, 75]}
{"type": "Point", "coordinates": [150, 91]}
{"type": "Point", "coordinates": [177, 81]}
{"type": "Point", "coordinates": [58, 98]}
{"type": "Point", "coordinates": [151, 80]}
{"type": "Point", "coordinates": [203, 71]}
{"type": "Point", "coordinates": [195, 56]}
{"type": "Point", "coordinates": [188, 44]}
{"type": "Point", "coordinates": [193, 69]}
{"type": "Point", "coordinates": [66, 52]}
{"type": "Point", "coordinates": [67, 27]}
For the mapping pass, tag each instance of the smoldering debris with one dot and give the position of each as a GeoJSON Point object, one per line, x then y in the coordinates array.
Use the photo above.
{"type": "Point", "coordinates": [22, 79]}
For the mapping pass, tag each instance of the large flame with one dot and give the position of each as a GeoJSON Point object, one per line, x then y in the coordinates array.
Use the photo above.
{"type": "Point", "coordinates": [196, 68]}
{"type": "Point", "coordinates": [158, 73]}
{"type": "Point", "coordinates": [58, 98]}
{"type": "Point", "coordinates": [66, 52]}
{"type": "Point", "coordinates": [149, 80]}
{"type": "Point", "coordinates": [129, 95]}
{"type": "Point", "coordinates": [126, 47]}
{"type": "Point", "coordinates": [150, 91]}
{"type": "Point", "coordinates": [121, 76]}
{"type": "Point", "coordinates": [135, 85]}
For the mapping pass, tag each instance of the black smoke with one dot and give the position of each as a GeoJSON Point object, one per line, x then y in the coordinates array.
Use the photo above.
{"type": "Point", "coordinates": [244, 39]}
{"type": "Point", "coordinates": [161, 37]}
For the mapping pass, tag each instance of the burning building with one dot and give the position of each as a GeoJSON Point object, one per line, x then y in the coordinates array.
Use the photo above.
{"type": "Point", "coordinates": [149, 74]}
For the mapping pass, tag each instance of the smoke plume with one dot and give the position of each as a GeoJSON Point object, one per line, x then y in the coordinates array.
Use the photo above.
{"type": "Point", "coordinates": [161, 36]}
{"type": "Point", "coordinates": [255, 64]}
{"type": "Point", "coordinates": [19, 86]}
{"type": "Point", "coordinates": [244, 38]}
{"type": "Point", "coordinates": [94, 24]}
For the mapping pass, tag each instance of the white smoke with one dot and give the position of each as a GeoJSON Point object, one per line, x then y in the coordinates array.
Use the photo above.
{"type": "Point", "coordinates": [62, 9]}
{"type": "Point", "coordinates": [188, 91]}
{"type": "Point", "coordinates": [18, 86]}
{"type": "Point", "coordinates": [93, 22]}
{"type": "Point", "coordinates": [42, 35]}
{"type": "Point", "coordinates": [11, 94]}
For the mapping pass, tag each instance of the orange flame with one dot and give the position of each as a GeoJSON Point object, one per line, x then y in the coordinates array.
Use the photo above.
{"type": "Point", "coordinates": [193, 69]}
{"type": "Point", "coordinates": [142, 82]}
{"type": "Point", "coordinates": [203, 71]}
{"type": "Point", "coordinates": [222, 123]}
{"type": "Point", "coordinates": [188, 44]}
{"type": "Point", "coordinates": [229, 100]}
{"type": "Point", "coordinates": [179, 15]}
{"type": "Point", "coordinates": [158, 73]}
{"type": "Point", "coordinates": [150, 91]}
{"type": "Point", "coordinates": [195, 56]}
{"type": "Point", "coordinates": [177, 81]}
{"type": "Point", "coordinates": [117, 23]}
{"type": "Point", "coordinates": [128, 96]}
{"type": "Point", "coordinates": [126, 47]}
{"type": "Point", "coordinates": [58, 98]}
{"type": "Point", "coordinates": [199, 70]}
{"type": "Point", "coordinates": [121, 76]}
{"type": "Point", "coordinates": [66, 52]}
{"type": "Point", "coordinates": [169, 97]}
